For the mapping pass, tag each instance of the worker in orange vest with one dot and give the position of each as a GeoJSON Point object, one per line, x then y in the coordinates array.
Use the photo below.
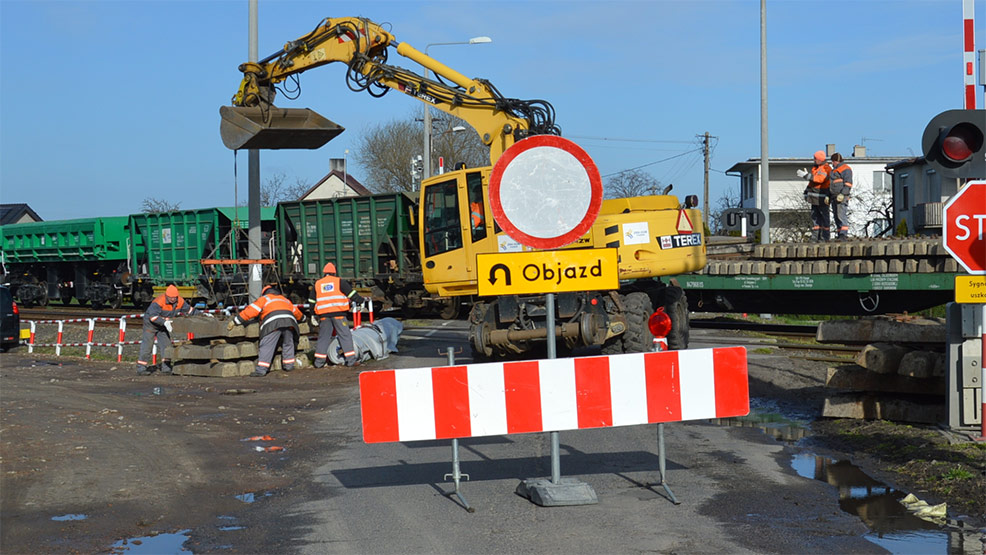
{"type": "Point", "coordinates": [278, 324]}
{"type": "Point", "coordinates": [840, 187]}
{"type": "Point", "coordinates": [476, 215]}
{"type": "Point", "coordinates": [331, 297]}
{"type": "Point", "coordinates": [817, 195]}
{"type": "Point", "coordinates": [157, 327]}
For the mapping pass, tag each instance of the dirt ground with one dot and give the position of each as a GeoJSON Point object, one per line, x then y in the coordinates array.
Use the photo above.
{"type": "Point", "coordinates": [76, 440]}
{"type": "Point", "coordinates": [91, 438]}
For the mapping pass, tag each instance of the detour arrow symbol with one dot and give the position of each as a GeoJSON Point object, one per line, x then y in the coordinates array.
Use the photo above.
{"type": "Point", "coordinates": [506, 273]}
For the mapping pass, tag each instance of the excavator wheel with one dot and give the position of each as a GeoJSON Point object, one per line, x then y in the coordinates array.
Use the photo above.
{"type": "Point", "coordinates": [637, 338]}
{"type": "Point", "coordinates": [676, 306]}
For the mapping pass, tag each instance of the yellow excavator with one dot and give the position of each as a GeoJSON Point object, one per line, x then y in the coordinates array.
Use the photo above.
{"type": "Point", "coordinates": [653, 234]}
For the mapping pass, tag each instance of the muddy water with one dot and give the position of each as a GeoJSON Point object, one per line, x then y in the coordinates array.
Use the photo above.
{"type": "Point", "coordinates": [891, 525]}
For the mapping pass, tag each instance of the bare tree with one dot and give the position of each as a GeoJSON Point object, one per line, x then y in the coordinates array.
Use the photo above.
{"type": "Point", "coordinates": [729, 199]}
{"type": "Point", "coordinates": [879, 210]}
{"type": "Point", "coordinates": [154, 205]}
{"type": "Point", "coordinates": [275, 189]}
{"type": "Point", "coordinates": [386, 151]}
{"type": "Point", "coordinates": [632, 183]}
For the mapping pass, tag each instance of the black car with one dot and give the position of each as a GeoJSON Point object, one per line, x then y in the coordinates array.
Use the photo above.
{"type": "Point", "coordinates": [10, 320]}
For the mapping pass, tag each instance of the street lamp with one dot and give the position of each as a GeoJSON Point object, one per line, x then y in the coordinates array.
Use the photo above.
{"type": "Point", "coordinates": [426, 173]}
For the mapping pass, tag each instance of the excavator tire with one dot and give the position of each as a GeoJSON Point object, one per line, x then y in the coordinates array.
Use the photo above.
{"type": "Point", "coordinates": [676, 306]}
{"type": "Point", "coordinates": [637, 338]}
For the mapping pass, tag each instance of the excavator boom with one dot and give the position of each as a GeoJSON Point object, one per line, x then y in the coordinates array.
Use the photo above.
{"type": "Point", "coordinates": [254, 122]}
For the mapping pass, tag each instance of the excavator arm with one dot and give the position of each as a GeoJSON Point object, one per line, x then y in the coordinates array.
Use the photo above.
{"type": "Point", "coordinates": [254, 122]}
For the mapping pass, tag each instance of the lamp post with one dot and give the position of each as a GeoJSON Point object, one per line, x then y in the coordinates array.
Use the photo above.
{"type": "Point", "coordinates": [426, 163]}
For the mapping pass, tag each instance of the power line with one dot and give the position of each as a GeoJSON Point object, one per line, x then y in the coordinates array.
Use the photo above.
{"type": "Point", "coordinates": [628, 140]}
{"type": "Point", "coordinates": [655, 162]}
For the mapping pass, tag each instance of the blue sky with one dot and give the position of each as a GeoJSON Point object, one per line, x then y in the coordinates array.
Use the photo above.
{"type": "Point", "coordinates": [103, 104]}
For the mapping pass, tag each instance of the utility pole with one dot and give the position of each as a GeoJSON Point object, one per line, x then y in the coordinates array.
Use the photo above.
{"type": "Point", "coordinates": [764, 151]}
{"type": "Point", "coordinates": [253, 171]}
{"type": "Point", "coordinates": [705, 193]}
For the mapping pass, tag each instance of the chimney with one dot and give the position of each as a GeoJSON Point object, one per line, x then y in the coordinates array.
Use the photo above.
{"type": "Point", "coordinates": [337, 164]}
{"type": "Point", "coordinates": [829, 149]}
{"type": "Point", "coordinates": [859, 151]}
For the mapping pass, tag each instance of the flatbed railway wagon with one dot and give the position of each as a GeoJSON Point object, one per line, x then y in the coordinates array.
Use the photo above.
{"type": "Point", "coordinates": [373, 241]}
{"type": "Point", "coordinates": [199, 250]}
{"type": "Point", "coordinates": [860, 277]}
{"type": "Point", "coordinates": [86, 259]}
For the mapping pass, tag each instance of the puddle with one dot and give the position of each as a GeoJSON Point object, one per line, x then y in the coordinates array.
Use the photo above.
{"type": "Point", "coordinates": [251, 497]}
{"type": "Point", "coordinates": [69, 517]}
{"type": "Point", "coordinates": [892, 527]}
{"type": "Point", "coordinates": [228, 528]}
{"type": "Point", "coordinates": [766, 416]}
{"type": "Point", "coordinates": [159, 544]}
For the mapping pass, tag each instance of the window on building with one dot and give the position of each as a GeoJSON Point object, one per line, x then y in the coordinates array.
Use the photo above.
{"type": "Point", "coordinates": [933, 179]}
{"type": "Point", "coordinates": [881, 182]}
{"type": "Point", "coordinates": [905, 181]}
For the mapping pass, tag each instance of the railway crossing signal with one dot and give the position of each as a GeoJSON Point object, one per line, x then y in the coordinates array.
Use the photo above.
{"type": "Point", "coordinates": [953, 143]}
{"type": "Point", "coordinates": [964, 227]}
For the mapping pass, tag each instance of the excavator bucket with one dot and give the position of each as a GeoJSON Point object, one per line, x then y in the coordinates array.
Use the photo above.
{"type": "Point", "coordinates": [274, 128]}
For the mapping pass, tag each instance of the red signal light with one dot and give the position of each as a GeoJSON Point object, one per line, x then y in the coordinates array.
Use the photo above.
{"type": "Point", "coordinates": [16, 310]}
{"type": "Point", "coordinates": [961, 141]}
{"type": "Point", "coordinates": [659, 323]}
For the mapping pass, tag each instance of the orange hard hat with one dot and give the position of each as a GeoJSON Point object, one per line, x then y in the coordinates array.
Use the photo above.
{"type": "Point", "coordinates": [171, 291]}
{"type": "Point", "coordinates": [329, 268]}
{"type": "Point", "coordinates": [819, 156]}
{"type": "Point", "coordinates": [265, 289]}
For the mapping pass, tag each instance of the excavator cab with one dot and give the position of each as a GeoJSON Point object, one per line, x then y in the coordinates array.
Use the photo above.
{"type": "Point", "coordinates": [270, 127]}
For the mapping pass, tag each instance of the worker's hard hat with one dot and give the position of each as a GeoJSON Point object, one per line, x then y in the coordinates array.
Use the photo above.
{"type": "Point", "coordinates": [266, 289]}
{"type": "Point", "coordinates": [171, 291]}
{"type": "Point", "coordinates": [329, 268]}
{"type": "Point", "coordinates": [819, 156]}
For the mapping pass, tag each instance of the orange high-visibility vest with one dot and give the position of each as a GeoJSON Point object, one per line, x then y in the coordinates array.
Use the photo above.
{"type": "Point", "coordinates": [328, 296]}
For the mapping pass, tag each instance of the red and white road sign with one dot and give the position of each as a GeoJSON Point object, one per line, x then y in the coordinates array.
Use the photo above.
{"type": "Point", "coordinates": [964, 227]}
{"type": "Point", "coordinates": [545, 192]}
{"type": "Point", "coordinates": [553, 395]}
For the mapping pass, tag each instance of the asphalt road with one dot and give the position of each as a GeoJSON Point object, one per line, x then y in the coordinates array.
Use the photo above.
{"type": "Point", "coordinates": [182, 467]}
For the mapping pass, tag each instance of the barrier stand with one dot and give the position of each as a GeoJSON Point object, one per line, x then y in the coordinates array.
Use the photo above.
{"type": "Point", "coordinates": [92, 328]}
{"type": "Point", "coordinates": [456, 475]}
{"type": "Point", "coordinates": [123, 334]}
{"type": "Point", "coordinates": [557, 492]}
{"type": "Point", "coordinates": [58, 341]}
{"type": "Point", "coordinates": [30, 343]}
{"type": "Point", "coordinates": [661, 344]}
{"type": "Point", "coordinates": [358, 316]}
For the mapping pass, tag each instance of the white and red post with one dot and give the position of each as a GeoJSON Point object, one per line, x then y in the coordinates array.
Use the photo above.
{"type": "Point", "coordinates": [969, 53]}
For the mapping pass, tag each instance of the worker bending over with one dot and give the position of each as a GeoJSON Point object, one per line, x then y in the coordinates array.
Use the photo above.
{"type": "Point", "coordinates": [278, 324]}
{"type": "Point", "coordinates": [157, 326]}
{"type": "Point", "coordinates": [332, 296]}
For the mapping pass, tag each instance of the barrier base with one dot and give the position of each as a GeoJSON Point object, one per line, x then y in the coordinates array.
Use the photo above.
{"type": "Point", "coordinates": [568, 491]}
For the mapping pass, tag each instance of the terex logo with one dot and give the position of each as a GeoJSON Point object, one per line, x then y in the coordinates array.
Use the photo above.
{"type": "Point", "coordinates": [684, 240]}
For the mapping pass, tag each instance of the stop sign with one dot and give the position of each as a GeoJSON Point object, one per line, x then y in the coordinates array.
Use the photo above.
{"type": "Point", "coordinates": [964, 227]}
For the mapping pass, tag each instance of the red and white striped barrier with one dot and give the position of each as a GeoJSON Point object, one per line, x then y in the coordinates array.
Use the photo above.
{"type": "Point", "coordinates": [553, 395]}
{"type": "Point", "coordinates": [358, 315]}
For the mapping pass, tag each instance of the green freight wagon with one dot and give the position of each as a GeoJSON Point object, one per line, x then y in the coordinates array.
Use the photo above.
{"type": "Point", "coordinates": [197, 250]}
{"type": "Point", "coordinates": [86, 259]}
{"type": "Point", "coordinates": [371, 239]}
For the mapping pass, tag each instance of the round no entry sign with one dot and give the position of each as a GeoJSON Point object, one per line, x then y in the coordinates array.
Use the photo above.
{"type": "Point", "coordinates": [545, 192]}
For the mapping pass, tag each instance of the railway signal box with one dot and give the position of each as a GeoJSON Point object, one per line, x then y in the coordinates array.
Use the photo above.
{"type": "Point", "coordinates": [953, 143]}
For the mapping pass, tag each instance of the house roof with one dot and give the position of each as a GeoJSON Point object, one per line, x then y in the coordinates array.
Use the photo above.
{"type": "Point", "coordinates": [10, 213]}
{"type": "Point", "coordinates": [754, 162]}
{"type": "Point", "coordinates": [346, 178]}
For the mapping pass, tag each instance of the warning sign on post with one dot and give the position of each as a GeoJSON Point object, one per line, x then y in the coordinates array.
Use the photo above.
{"type": "Point", "coordinates": [535, 273]}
